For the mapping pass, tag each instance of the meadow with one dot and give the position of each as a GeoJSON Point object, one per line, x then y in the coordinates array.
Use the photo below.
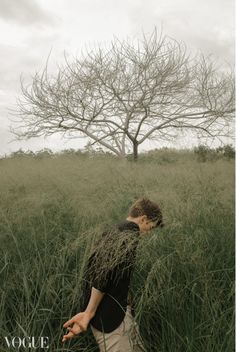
{"type": "Point", "coordinates": [52, 209]}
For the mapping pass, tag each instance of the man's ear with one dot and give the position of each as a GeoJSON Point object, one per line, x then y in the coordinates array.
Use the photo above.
{"type": "Point", "coordinates": [143, 218]}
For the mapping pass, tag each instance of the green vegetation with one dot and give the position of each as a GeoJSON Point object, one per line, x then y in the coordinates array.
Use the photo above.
{"type": "Point", "coordinates": [53, 208]}
{"type": "Point", "coordinates": [205, 153]}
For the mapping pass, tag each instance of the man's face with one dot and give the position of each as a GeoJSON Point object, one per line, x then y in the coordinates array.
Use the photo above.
{"type": "Point", "coordinates": [146, 224]}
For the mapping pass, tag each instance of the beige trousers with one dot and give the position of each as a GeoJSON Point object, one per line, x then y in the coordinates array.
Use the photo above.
{"type": "Point", "coordinates": [125, 338]}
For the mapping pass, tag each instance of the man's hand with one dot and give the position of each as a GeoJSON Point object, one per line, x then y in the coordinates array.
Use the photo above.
{"type": "Point", "coordinates": [81, 320]}
{"type": "Point", "coordinates": [80, 323]}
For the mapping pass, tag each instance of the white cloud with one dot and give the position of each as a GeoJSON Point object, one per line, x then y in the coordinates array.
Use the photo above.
{"type": "Point", "coordinates": [26, 12]}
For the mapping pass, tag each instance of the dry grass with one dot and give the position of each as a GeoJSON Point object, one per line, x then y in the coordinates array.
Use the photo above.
{"type": "Point", "coordinates": [53, 210]}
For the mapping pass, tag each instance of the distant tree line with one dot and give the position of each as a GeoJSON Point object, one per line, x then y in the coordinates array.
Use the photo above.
{"type": "Point", "coordinates": [205, 153]}
{"type": "Point", "coordinates": [202, 152]}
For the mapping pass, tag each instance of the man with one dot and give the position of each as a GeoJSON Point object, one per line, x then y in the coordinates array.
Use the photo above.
{"type": "Point", "coordinates": [108, 276]}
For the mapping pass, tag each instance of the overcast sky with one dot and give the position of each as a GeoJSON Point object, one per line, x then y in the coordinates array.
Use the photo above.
{"type": "Point", "coordinates": [29, 29]}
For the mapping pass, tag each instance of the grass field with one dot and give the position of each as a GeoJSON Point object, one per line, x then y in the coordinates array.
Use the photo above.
{"type": "Point", "coordinates": [52, 209]}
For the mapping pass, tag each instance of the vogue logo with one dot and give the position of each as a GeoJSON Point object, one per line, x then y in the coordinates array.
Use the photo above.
{"type": "Point", "coordinates": [32, 342]}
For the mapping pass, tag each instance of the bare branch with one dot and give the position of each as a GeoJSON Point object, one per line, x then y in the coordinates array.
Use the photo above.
{"type": "Point", "coordinates": [121, 95]}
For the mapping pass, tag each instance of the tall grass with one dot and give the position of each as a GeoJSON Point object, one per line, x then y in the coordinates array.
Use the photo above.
{"type": "Point", "coordinates": [51, 212]}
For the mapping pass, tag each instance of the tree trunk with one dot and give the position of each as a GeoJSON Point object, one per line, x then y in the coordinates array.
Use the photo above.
{"type": "Point", "coordinates": [135, 151]}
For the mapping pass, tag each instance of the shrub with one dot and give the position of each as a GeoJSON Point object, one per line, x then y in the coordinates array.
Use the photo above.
{"type": "Point", "coordinates": [205, 153]}
{"type": "Point", "coordinates": [227, 151]}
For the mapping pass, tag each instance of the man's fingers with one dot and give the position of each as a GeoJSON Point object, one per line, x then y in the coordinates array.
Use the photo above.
{"type": "Point", "coordinates": [68, 336]}
{"type": "Point", "coordinates": [75, 332]}
{"type": "Point", "coordinates": [69, 322]}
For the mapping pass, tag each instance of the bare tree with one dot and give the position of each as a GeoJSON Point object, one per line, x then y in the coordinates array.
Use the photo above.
{"type": "Point", "coordinates": [130, 92]}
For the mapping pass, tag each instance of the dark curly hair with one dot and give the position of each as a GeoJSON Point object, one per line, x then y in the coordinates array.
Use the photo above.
{"type": "Point", "coordinates": [145, 206]}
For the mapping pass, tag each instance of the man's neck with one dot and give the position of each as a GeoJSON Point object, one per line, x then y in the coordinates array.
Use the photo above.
{"type": "Point", "coordinates": [129, 218]}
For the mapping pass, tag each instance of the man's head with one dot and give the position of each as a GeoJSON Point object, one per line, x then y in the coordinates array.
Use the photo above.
{"type": "Point", "coordinates": [146, 214]}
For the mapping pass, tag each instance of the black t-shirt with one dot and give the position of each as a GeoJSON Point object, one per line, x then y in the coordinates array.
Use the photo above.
{"type": "Point", "coordinates": [115, 284]}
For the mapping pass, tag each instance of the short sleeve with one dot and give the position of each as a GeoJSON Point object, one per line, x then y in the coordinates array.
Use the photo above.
{"type": "Point", "coordinates": [96, 279]}
{"type": "Point", "coordinates": [111, 260]}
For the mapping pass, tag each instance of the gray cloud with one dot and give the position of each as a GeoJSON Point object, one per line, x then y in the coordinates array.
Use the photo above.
{"type": "Point", "coordinates": [24, 60]}
{"type": "Point", "coordinates": [25, 12]}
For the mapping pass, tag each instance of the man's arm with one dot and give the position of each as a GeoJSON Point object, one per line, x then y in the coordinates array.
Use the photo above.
{"type": "Point", "coordinates": [81, 320]}
{"type": "Point", "coordinates": [95, 299]}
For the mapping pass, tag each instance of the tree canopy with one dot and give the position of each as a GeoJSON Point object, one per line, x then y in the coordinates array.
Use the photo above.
{"type": "Point", "coordinates": [131, 91]}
